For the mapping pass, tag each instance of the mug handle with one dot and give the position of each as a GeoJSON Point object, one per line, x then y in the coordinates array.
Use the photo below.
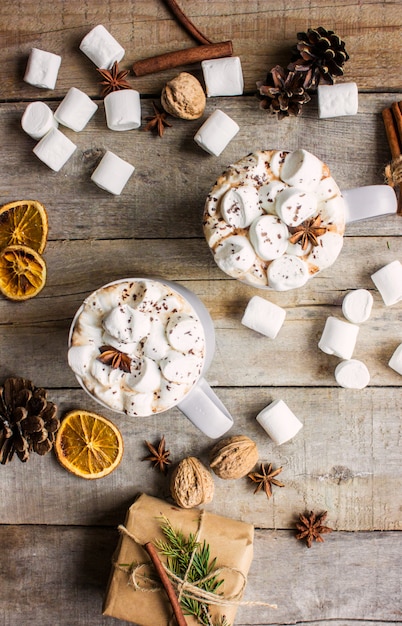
{"type": "Point", "coordinates": [371, 201]}
{"type": "Point", "coordinates": [204, 409]}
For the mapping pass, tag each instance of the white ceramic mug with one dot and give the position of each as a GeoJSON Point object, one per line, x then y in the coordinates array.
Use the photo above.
{"type": "Point", "coordinates": [200, 404]}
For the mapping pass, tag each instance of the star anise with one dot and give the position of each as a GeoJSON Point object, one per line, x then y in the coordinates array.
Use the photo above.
{"type": "Point", "coordinates": [311, 527]}
{"type": "Point", "coordinates": [115, 358]}
{"type": "Point", "coordinates": [113, 80]}
{"type": "Point", "coordinates": [307, 232]}
{"type": "Point", "coordinates": [265, 478]}
{"type": "Point", "coordinates": [157, 121]}
{"type": "Point", "coordinates": [159, 456]}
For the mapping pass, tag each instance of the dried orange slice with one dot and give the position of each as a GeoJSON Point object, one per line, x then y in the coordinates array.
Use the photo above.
{"type": "Point", "coordinates": [22, 272]}
{"type": "Point", "coordinates": [23, 222]}
{"type": "Point", "coordinates": [88, 445]}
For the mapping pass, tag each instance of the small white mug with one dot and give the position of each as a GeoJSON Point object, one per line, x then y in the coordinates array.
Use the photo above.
{"type": "Point", "coordinates": [200, 404]}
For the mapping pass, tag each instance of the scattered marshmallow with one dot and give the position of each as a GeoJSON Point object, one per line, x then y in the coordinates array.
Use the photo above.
{"type": "Point", "coordinates": [123, 109]}
{"type": "Point", "coordinates": [112, 173]}
{"type": "Point", "coordinates": [287, 272]}
{"type": "Point", "coordinates": [302, 170]}
{"type": "Point", "coordinates": [352, 374]}
{"type": "Point", "coordinates": [264, 317]}
{"type": "Point", "coordinates": [42, 69]}
{"type": "Point", "coordinates": [279, 422]}
{"type": "Point", "coordinates": [357, 305]}
{"type": "Point", "coordinates": [37, 120]}
{"type": "Point", "coordinates": [388, 281]}
{"type": "Point", "coordinates": [338, 338]}
{"type": "Point", "coordinates": [370, 201]}
{"type": "Point", "coordinates": [396, 360]}
{"type": "Point", "coordinates": [223, 77]}
{"type": "Point", "coordinates": [54, 149]}
{"type": "Point", "coordinates": [216, 132]}
{"type": "Point", "coordinates": [101, 47]}
{"type": "Point", "coordinates": [337, 100]}
{"type": "Point", "coordinates": [75, 110]}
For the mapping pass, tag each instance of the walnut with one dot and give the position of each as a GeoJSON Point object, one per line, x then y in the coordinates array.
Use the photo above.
{"type": "Point", "coordinates": [184, 97]}
{"type": "Point", "coordinates": [233, 457]}
{"type": "Point", "coordinates": [191, 483]}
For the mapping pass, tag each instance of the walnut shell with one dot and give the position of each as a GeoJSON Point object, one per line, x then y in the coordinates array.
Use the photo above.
{"type": "Point", "coordinates": [184, 97]}
{"type": "Point", "coordinates": [191, 483]}
{"type": "Point", "coordinates": [233, 457]}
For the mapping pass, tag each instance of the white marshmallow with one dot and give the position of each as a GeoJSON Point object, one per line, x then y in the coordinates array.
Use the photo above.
{"type": "Point", "coordinates": [171, 393]}
{"type": "Point", "coordinates": [42, 69]}
{"type": "Point", "coordinates": [276, 162]}
{"type": "Point", "coordinates": [352, 374]}
{"type": "Point", "coordinates": [302, 169]}
{"type": "Point", "coordinates": [328, 249]}
{"type": "Point", "coordinates": [338, 338]}
{"type": "Point", "coordinates": [54, 149]}
{"type": "Point", "coordinates": [80, 359]}
{"type": "Point", "coordinates": [75, 110]}
{"type": "Point", "coordinates": [156, 345]}
{"type": "Point", "coordinates": [106, 375]}
{"type": "Point", "coordinates": [264, 317]}
{"type": "Point", "coordinates": [145, 376]}
{"type": "Point", "coordinates": [396, 360]}
{"type": "Point", "coordinates": [235, 255]}
{"type": "Point", "coordinates": [269, 237]}
{"type": "Point", "coordinates": [37, 120]}
{"type": "Point", "coordinates": [279, 422]}
{"type": "Point", "coordinates": [183, 333]}
{"type": "Point", "coordinates": [138, 404]}
{"type": "Point", "coordinates": [126, 324]}
{"type": "Point", "coordinates": [216, 133]}
{"type": "Point", "coordinates": [267, 195]}
{"type": "Point", "coordinates": [370, 201]}
{"type": "Point", "coordinates": [223, 77]}
{"type": "Point", "coordinates": [239, 206]}
{"type": "Point", "coordinates": [327, 188]}
{"type": "Point", "coordinates": [336, 100]}
{"type": "Point", "coordinates": [147, 297]}
{"type": "Point", "coordinates": [111, 396]}
{"type": "Point", "coordinates": [101, 47]}
{"type": "Point", "coordinates": [112, 173]}
{"type": "Point", "coordinates": [180, 368]}
{"type": "Point", "coordinates": [356, 305]}
{"type": "Point", "coordinates": [123, 109]}
{"type": "Point", "coordinates": [388, 281]}
{"type": "Point", "coordinates": [133, 349]}
{"type": "Point", "coordinates": [294, 206]}
{"type": "Point", "coordinates": [287, 272]}
{"type": "Point", "coordinates": [332, 209]}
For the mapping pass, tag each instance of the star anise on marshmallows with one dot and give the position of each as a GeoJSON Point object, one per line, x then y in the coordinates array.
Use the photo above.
{"type": "Point", "coordinates": [113, 80]}
{"type": "Point", "coordinates": [116, 359]}
{"type": "Point", "coordinates": [307, 232]}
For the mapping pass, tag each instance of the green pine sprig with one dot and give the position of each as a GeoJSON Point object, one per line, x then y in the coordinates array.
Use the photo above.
{"type": "Point", "coordinates": [179, 551]}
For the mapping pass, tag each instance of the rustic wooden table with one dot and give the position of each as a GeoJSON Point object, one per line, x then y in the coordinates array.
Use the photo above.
{"type": "Point", "coordinates": [58, 532]}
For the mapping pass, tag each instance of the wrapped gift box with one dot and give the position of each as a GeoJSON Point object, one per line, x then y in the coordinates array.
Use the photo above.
{"type": "Point", "coordinates": [230, 541]}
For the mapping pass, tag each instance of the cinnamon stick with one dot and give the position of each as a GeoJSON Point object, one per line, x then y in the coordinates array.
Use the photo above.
{"type": "Point", "coordinates": [170, 60]}
{"type": "Point", "coordinates": [178, 613]}
{"type": "Point", "coordinates": [186, 22]}
{"type": "Point", "coordinates": [392, 118]}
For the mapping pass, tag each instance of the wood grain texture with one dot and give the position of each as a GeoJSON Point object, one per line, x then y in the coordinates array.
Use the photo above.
{"type": "Point", "coordinates": [58, 532]}
{"type": "Point", "coordinates": [69, 567]}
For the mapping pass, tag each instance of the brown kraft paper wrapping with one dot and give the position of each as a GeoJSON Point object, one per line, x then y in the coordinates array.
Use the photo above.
{"type": "Point", "coordinates": [230, 541]}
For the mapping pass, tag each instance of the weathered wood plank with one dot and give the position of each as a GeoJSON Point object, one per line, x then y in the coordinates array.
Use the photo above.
{"type": "Point", "coordinates": [34, 334]}
{"type": "Point", "coordinates": [262, 34]}
{"type": "Point", "coordinates": [346, 460]}
{"type": "Point", "coordinates": [165, 196]}
{"type": "Point", "coordinates": [350, 579]}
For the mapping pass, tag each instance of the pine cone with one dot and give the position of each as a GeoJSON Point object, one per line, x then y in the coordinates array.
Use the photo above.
{"type": "Point", "coordinates": [28, 421]}
{"type": "Point", "coordinates": [320, 54]}
{"type": "Point", "coordinates": [283, 92]}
